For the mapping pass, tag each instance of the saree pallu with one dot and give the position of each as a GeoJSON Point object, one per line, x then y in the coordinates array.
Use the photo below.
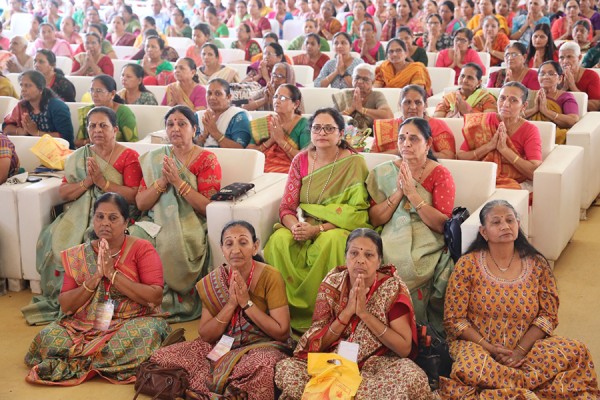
{"type": "Point", "coordinates": [385, 132]}
{"type": "Point", "coordinates": [479, 130]}
{"type": "Point", "coordinates": [304, 264]}
{"type": "Point", "coordinates": [419, 253]}
{"type": "Point", "coordinates": [412, 74]}
{"type": "Point", "coordinates": [196, 101]}
{"type": "Point", "coordinates": [69, 229]}
{"type": "Point", "coordinates": [181, 242]}
{"type": "Point", "coordinates": [244, 372]}
{"type": "Point", "coordinates": [380, 367]}
{"type": "Point", "coordinates": [277, 160]}
{"type": "Point", "coordinates": [70, 351]}
{"type": "Point", "coordinates": [480, 100]}
{"type": "Point", "coordinates": [552, 105]}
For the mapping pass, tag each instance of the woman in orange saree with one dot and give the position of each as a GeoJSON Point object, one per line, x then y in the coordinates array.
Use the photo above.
{"type": "Point", "coordinates": [396, 72]}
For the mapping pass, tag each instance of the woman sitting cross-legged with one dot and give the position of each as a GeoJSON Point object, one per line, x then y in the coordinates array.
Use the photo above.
{"type": "Point", "coordinates": [326, 182]}
{"type": "Point", "coordinates": [511, 351]}
{"type": "Point", "coordinates": [366, 302]}
{"type": "Point", "coordinates": [110, 298]}
{"type": "Point", "coordinates": [245, 300]}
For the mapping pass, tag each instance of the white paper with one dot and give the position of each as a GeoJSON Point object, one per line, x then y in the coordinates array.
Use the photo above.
{"type": "Point", "coordinates": [221, 348]}
{"type": "Point", "coordinates": [150, 228]}
{"type": "Point", "coordinates": [348, 350]}
{"type": "Point", "coordinates": [300, 214]}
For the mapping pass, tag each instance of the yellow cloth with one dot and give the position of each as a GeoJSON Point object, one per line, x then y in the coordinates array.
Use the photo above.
{"type": "Point", "coordinates": [413, 74]}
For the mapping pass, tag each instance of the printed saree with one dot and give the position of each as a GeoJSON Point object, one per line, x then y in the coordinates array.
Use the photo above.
{"type": "Point", "coordinates": [70, 351]}
{"type": "Point", "coordinates": [419, 253]}
{"type": "Point", "coordinates": [480, 101]}
{"type": "Point", "coordinates": [344, 203]}
{"type": "Point", "coordinates": [413, 74]}
{"type": "Point", "coordinates": [379, 366]}
{"type": "Point", "coordinates": [552, 105]}
{"type": "Point", "coordinates": [247, 370]}
{"type": "Point", "coordinates": [125, 121]}
{"type": "Point", "coordinates": [69, 229]}
{"type": "Point", "coordinates": [385, 132]}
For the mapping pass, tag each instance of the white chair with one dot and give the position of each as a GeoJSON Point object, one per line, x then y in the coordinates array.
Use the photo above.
{"type": "Point", "coordinates": [82, 85]}
{"type": "Point", "coordinates": [20, 23]}
{"type": "Point", "coordinates": [274, 26]}
{"type": "Point", "coordinates": [304, 74]}
{"type": "Point", "coordinates": [119, 64]}
{"type": "Point", "coordinates": [258, 114]}
{"type": "Point", "coordinates": [315, 98]}
{"type": "Point", "coordinates": [65, 64]}
{"type": "Point", "coordinates": [292, 28]}
{"type": "Point", "coordinates": [486, 60]}
{"type": "Point", "coordinates": [582, 102]}
{"type": "Point", "coordinates": [180, 44]}
{"type": "Point", "coordinates": [392, 95]}
{"type": "Point", "coordinates": [441, 78]}
{"type": "Point", "coordinates": [226, 42]}
{"type": "Point", "coordinates": [158, 92]}
{"type": "Point", "coordinates": [241, 69]}
{"type": "Point", "coordinates": [431, 58]}
{"type": "Point", "coordinates": [231, 55]}
{"type": "Point", "coordinates": [14, 79]}
{"type": "Point", "coordinates": [149, 118]}
{"type": "Point", "coordinates": [374, 159]}
{"type": "Point", "coordinates": [124, 51]}
{"type": "Point", "coordinates": [74, 110]}
{"type": "Point", "coordinates": [7, 104]}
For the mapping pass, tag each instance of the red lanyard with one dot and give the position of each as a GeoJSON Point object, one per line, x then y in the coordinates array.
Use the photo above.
{"type": "Point", "coordinates": [238, 310]}
{"type": "Point", "coordinates": [107, 282]}
{"type": "Point", "coordinates": [356, 320]}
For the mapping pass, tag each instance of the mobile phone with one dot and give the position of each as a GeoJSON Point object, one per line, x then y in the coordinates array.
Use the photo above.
{"type": "Point", "coordinates": [33, 179]}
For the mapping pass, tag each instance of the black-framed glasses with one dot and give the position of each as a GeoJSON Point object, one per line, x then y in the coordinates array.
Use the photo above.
{"type": "Point", "coordinates": [328, 129]}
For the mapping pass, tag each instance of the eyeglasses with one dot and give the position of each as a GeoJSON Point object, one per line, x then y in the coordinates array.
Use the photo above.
{"type": "Point", "coordinates": [365, 79]}
{"type": "Point", "coordinates": [461, 40]}
{"type": "Point", "coordinates": [281, 98]}
{"type": "Point", "coordinates": [328, 129]}
{"type": "Point", "coordinates": [104, 126]}
{"type": "Point", "coordinates": [278, 76]}
{"type": "Point", "coordinates": [395, 51]}
{"type": "Point", "coordinates": [98, 91]}
{"type": "Point", "coordinates": [512, 55]}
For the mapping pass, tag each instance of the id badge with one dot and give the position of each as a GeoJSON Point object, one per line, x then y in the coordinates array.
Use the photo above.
{"type": "Point", "coordinates": [221, 348]}
{"type": "Point", "coordinates": [348, 350]}
{"type": "Point", "coordinates": [104, 314]}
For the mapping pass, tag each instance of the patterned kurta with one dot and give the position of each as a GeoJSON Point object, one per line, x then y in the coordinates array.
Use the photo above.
{"type": "Point", "coordinates": [502, 311]}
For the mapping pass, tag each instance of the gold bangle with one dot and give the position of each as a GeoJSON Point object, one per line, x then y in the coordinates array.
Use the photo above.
{"type": "Point", "coordinates": [181, 186]}
{"type": "Point", "coordinates": [106, 186]}
{"type": "Point", "coordinates": [262, 148]}
{"type": "Point", "coordinates": [384, 331]}
{"type": "Point", "coordinates": [364, 111]}
{"type": "Point", "coordinates": [556, 116]}
{"type": "Point", "coordinates": [516, 159]}
{"type": "Point", "coordinates": [480, 340]}
{"type": "Point", "coordinates": [82, 185]}
{"type": "Point", "coordinates": [389, 203]}
{"type": "Point", "coordinates": [334, 332]}
{"type": "Point", "coordinates": [221, 139]}
{"type": "Point", "coordinates": [218, 320]}
{"type": "Point", "coordinates": [113, 276]}
{"type": "Point", "coordinates": [187, 190]}
{"type": "Point", "coordinates": [521, 348]}
{"type": "Point", "coordinates": [475, 154]}
{"type": "Point", "coordinates": [158, 188]}
{"type": "Point", "coordinates": [87, 288]}
{"type": "Point", "coordinates": [420, 205]}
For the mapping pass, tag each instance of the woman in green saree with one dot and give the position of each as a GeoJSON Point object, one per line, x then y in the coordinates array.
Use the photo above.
{"type": "Point", "coordinates": [177, 185]}
{"type": "Point", "coordinates": [325, 199]}
{"type": "Point", "coordinates": [103, 166]}
{"type": "Point", "coordinates": [412, 198]}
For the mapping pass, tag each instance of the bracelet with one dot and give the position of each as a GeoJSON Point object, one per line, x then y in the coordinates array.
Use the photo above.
{"type": "Point", "coordinates": [218, 320]}
{"type": "Point", "coordinates": [389, 203]}
{"type": "Point", "coordinates": [420, 205]}
{"type": "Point", "coordinates": [82, 185]}
{"type": "Point", "coordinates": [556, 116]}
{"type": "Point", "coordinates": [262, 148]}
{"type": "Point", "coordinates": [221, 139]}
{"type": "Point", "coordinates": [189, 188]}
{"type": "Point", "coordinates": [516, 159]}
{"type": "Point", "coordinates": [184, 188]}
{"type": "Point", "coordinates": [364, 111]}
{"type": "Point", "coordinates": [113, 276]}
{"type": "Point", "coordinates": [158, 188]}
{"type": "Point", "coordinates": [340, 321]}
{"type": "Point", "coordinates": [475, 154]}
{"type": "Point", "coordinates": [87, 288]}
{"type": "Point", "coordinates": [181, 186]}
{"type": "Point", "coordinates": [521, 348]}
{"type": "Point", "coordinates": [106, 186]}
{"type": "Point", "coordinates": [480, 340]}
{"type": "Point", "coordinates": [384, 331]}
{"type": "Point", "coordinates": [334, 332]}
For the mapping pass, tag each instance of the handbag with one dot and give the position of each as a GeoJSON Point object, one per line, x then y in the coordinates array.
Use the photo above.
{"type": "Point", "coordinates": [433, 357]}
{"type": "Point", "coordinates": [164, 383]}
{"type": "Point", "coordinates": [452, 232]}
{"type": "Point", "coordinates": [232, 191]}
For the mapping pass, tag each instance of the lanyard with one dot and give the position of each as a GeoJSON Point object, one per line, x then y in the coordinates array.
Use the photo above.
{"type": "Point", "coordinates": [106, 281]}
{"type": "Point", "coordinates": [238, 310]}
{"type": "Point", "coordinates": [356, 320]}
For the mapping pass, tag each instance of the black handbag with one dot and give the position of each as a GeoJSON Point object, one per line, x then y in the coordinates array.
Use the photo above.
{"type": "Point", "coordinates": [434, 357]}
{"type": "Point", "coordinates": [232, 192]}
{"type": "Point", "coordinates": [452, 231]}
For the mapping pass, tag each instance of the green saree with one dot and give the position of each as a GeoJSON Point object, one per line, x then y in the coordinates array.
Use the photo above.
{"type": "Point", "coordinates": [344, 203]}
{"type": "Point", "coordinates": [125, 121]}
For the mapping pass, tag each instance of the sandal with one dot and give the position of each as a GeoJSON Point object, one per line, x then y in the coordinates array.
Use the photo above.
{"type": "Point", "coordinates": [177, 336]}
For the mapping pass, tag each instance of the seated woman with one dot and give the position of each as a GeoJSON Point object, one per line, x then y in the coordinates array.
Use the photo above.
{"type": "Point", "coordinates": [49, 41]}
{"type": "Point", "coordinates": [396, 72]}
{"type": "Point", "coordinates": [212, 68]}
{"type": "Point", "coordinates": [513, 351]}
{"type": "Point", "coordinates": [106, 46]}
{"type": "Point", "coordinates": [337, 72]}
{"type": "Point", "coordinates": [19, 61]}
{"type": "Point", "coordinates": [505, 138]}
{"type": "Point", "coordinates": [310, 26]}
{"type": "Point", "coordinates": [516, 69]}
{"type": "Point", "coordinates": [486, 7]}
{"type": "Point", "coordinates": [492, 41]}
{"type": "Point", "coordinates": [45, 63]}
{"type": "Point", "coordinates": [263, 101]}
{"type": "Point", "coordinates": [366, 302]}
{"type": "Point", "coordinates": [82, 344]}
{"type": "Point", "coordinates": [434, 39]}
{"type": "Point", "coordinates": [305, 247]}
{"type": "Point", "coordinates": [580, 35]}
{"type": "Point", "coordinates": [412, 198]}
{"type": "Point", "coordinates": [9, 160]}
{"type": "Point", "coordinates": [158, 71]}
{"type": "Point", "coordinates": [541, 47]}
{"type": "Point", "coordinates": [104, 93]}
{"type": "Point", "coordinates": [469, 98]}
{"type": "Point", "coordinates": [148, 24]}
{"type": "Point", "coordinates": [562, 27]}
{"type": "Point", "coordinates": [552, 104]}
{"type": "Point", "coordinates": [413, 53]}
{"type": "Point", "coordinates": [354, 20]}
{"type": "Point", "coordinates": [186, 91]}
{"type": "Point", "coordinates": [592, 57]}
{"type": "Point", "coordinates": [369, 48]}
{"type": "Point", "coordinates": [134, 91]}
{"type": "Point", "coordinates": [68, 32]}
{"type": "Point", "coordinates": [241, 14]}
{"type": "Point", "coordinates": [450, 21]}
{"type": "Point", "coordinates": [178, 26]}
{"type": "Point", "coordinates": [245, 42]}
{"type": "Point", "coordinates": [328, 25]}
{"type": "Point", "coordinates": [177, 185]}
{"type": "Point", "coordinates": [6, 87]}
{"type": "Point", "coordinates": [217, 27]}
{"type": "Point", "coordinates": [413, 101]}
{"type": "Point", "coordinates": [106, 166]}
{"type": "Point", "coordinates": [280, 14]}
{"type": "Point", "coordinates": [223, 125]}
{"type": "Point", "coordinates": [269, 38]}
{"type": "Point", "coordinates": [245, 300]}
{"type": "Point", "coordinates": [258, 24]}
{"type": "Point", "coordinates": [399, 15]}
{"type": "Point", "coordinates": [132, 22]}
{"type": "Point", "coordinates": [39, 111]}
{"type": "Point", "coordinates": [260, 71]}
{"type": "Point", "coordinates": [285, 134]}
{"type": "Point", "coordinates": [577, 78]}
{"type": "Point", "coordinates": [119, 36]}
{"type": "Point", "coordinates": [362, 103]}
{"type": "Point", "coordinates": [460, 54]}
{"type": "Point", "coordinates": [92, 62]}
{"type": "Point", "coordinates": [313, 56]}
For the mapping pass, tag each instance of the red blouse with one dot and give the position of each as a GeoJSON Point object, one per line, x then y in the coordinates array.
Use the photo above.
{"type": "Point", "coordinates": [128, 165]}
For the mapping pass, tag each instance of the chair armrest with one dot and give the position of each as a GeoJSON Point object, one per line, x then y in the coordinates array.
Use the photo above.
{"type": "Point", "coordinates": [586, 134]}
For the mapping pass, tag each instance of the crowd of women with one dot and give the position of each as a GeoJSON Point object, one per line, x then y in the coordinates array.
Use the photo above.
{"type": "Point", "coordinates": [357, 256]}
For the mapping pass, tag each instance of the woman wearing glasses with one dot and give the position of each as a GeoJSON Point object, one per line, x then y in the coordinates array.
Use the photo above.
{"type": "Point", "coordinates": [260, 71]}
{"type": "Point", "coordinates": [104, 93]}
{"type": "Point", "coordinates": [283, 135]}
{"type": "Point", "coordinates": [398, 72]}
{"type": "Point", "coordinates": [325, 198]}
{"type": "Point", "coordinates": [492, 41]}
{"type": "Point", "coordinates": [337, 72]}
{"type": "Point", "coordinates": [551, 104]}
{"type": "Point", "coordinates": [435, 39]}
{"type": "Point", "coordinates": [263, 101]}
{"type": "Point", "coordinates": [460, 54]}
{"type": "Point", "coordinates": [516, 69]}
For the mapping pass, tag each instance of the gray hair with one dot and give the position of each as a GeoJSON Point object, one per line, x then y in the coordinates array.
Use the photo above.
{"type": "Point", "coordinates": [364, 67]}
{"type": "Point", "coordinates": [571, 46]}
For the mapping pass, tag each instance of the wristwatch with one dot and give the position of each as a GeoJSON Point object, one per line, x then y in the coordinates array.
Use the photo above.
{"type": "Point", "coordinates": [248, 305]}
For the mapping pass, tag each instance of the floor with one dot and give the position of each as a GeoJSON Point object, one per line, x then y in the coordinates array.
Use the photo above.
{"type": "Point", "coordinates": [576, 272]}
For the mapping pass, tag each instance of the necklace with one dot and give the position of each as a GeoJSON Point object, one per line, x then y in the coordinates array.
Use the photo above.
{"type": "Point", "coordinates": [507, 266]}
{"type": "Point", "coordinates": [189, 154]}
{"type": "Point", "coordinates": [422, 170]}
{"type": "Point", "coordinates": [109, 158]}
{"type": "Point", "coordinates": [116, 254]}
{"type": "Point", "coordinates": [326, 182]}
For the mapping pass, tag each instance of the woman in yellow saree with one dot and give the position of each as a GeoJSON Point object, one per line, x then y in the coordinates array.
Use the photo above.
{"type": "Point", "coordinates": [325, 199]}
{"type": "Point", "coordinates": [551, 104]}
{"type": "Point", "coordinates": [396, 72]}
{"type": "Point", "coordinates": [505, 138]}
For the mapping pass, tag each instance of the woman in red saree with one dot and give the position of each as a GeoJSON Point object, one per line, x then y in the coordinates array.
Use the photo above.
{"type": "Point", "coordinates": [578, 78]}
{"type": "Point", "coordinates": [313, 56]}
{"type": "Point", "coordinates": [506, 139]}
{"type": "Point", "coordinates": [245, 300]}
